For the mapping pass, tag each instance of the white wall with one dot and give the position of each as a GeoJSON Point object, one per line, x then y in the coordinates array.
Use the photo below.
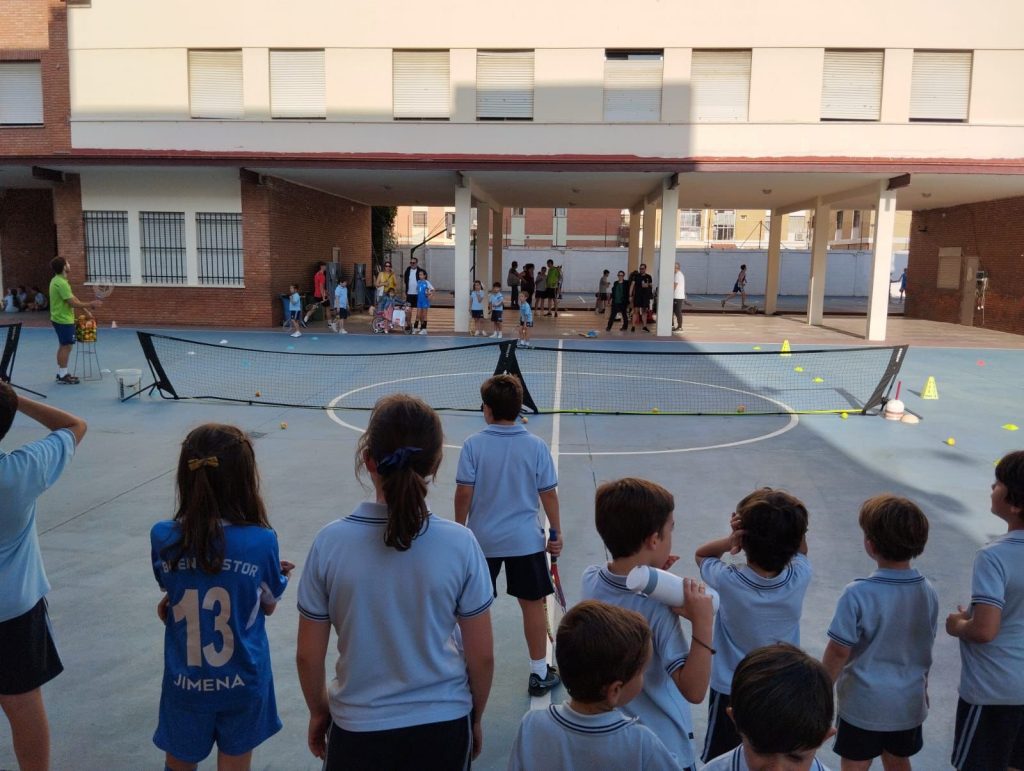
{"type": "Point", "coordinates": [707, 272]}
{"type": "Point", "coordinates": [162, 190]}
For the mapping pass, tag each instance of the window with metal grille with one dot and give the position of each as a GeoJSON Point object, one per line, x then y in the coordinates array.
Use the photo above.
{"type": "Point", "coordinates": [419, 219]}
{"type": "Point", "coordinates": [724, 228]}
{"type": "Point", "coordinates": [689, 225]}
{"type": "Point", "coordinates": [219, 248]}
{"type": "Point", "coordinates": [107, 257]}
{"type": "Point", "coordinates": [163, 247]}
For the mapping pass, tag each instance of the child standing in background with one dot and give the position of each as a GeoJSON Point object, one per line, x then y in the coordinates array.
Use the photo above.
{"type": "Point", "coordinates": [218, 563]}
{"type": "Point", "coordinates": [496, 301]}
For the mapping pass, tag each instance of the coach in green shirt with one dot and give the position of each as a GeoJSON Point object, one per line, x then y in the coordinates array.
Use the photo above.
{"type": "Point", "coordinates": [62, 315]}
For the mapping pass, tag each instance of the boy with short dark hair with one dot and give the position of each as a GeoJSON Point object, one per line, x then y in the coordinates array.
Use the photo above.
{"type": "Point", "coordinates": [504, 474]}
{"type": "Point", "coordinates": [880, 642]}
{"type": "Point", "coordinates": [602, 651]}
{"type": "Point", "coordinates": [635, 519]}
{"type": "Point", "coordinates": [496, 302]}
{"type": "Point", "coordinates": [760, 602]}
{"type": "Point", "coordinates": [990, 712]}
{"type": "Point", "coordinates": [783, 707]}
{"type": "Point", "coordinates": [28, 653]}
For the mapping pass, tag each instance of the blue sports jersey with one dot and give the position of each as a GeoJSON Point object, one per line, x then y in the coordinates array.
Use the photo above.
{"type": "Point", "coordinates": [341, 296]}
{"type": "Point", "coordinates": [496, 300]}
{"type": "Point", "coordinates": [423, 288]}
{"type": "Point", "coordinates": [216, 653]}
{"type": "Point", "coordinates": [294, 302]}
{"type": "Point", "coordinates": [525, 313]}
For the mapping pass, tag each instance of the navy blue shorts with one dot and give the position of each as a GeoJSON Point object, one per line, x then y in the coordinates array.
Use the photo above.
{"type": "Point", "coordinates": [477, 314]}
{"type": "Point", "coordinates": [294, 315]}
{"type": "Point", "coordinates": [496, 316]}
{"type": "Point", "coordinates": [189, 734]}
{"type": "Point", "coordinates": [855, 743]}
{"type": "Point", "coordinates": [737, 288]}
{"type": "Point", "coordinates": [526, 578]}
{"type": "Point", "coordinates": [65, 333]}
{"type": "Point", "coordinates": [28, 652]}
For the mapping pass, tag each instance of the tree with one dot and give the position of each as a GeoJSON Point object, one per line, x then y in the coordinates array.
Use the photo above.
{"type": "Point", "coordinates": [382, 229]}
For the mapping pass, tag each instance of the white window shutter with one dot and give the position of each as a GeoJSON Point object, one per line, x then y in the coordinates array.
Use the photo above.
{"type": "Point", "coordinates": [504, 84]}
{"type": "Point", "coordinates": [21, 93]}
{"type": "Point", "coordinates": [940, 87]}
{"type": "Point", "coordinates": [632, 89]}
{"type": "Point", "coordinates": [852, 85]}
{"type": "Point", "coordinates": [721, 85]}
{"type": "Point", "coordinates": [215, 84]}
{"type": "Point", "coordinates": [421, 84]}
{"type": "Point", "coordinates": [297, 84]}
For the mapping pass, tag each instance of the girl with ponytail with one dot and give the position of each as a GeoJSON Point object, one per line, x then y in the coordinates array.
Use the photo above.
{"type": "Point", "coordinates": [408, 594]}
{"type": "Point", "coordinates": [218, 563]}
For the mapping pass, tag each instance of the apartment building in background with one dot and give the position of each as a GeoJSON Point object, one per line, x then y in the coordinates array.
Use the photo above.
{"type": "Point", "coordinates": [197, 163]}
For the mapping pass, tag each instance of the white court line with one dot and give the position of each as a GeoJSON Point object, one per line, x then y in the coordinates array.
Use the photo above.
{"type": "Point", "coordinates": [543, 702]}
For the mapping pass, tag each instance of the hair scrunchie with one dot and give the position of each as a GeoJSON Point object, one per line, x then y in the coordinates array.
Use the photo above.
{"type": "Point", "coordinates": [397, 460]}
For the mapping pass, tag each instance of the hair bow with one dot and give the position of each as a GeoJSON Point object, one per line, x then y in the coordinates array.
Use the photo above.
{"type": "Point", "coordinates": [399, 459]}
{"type": "Point", "coordinates": [198, 463]}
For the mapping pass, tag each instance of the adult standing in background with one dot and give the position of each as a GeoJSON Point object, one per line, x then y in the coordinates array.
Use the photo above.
{"type": "Point", "coordinates": [385, 280]}
{"type": "Point", "coordinates": [528, 282]}
{"type": "Point", "coordinates": [411, 289]}
{"type": "Point", "coordinates": [554, 283]}
{"type": "Point", "coordinates": [62, 315]}
{"type": "Point", "coordinates": [641, 292]}
{"type": "Point", "coordinates": [603, 286]}
{"type": "Point", "coordinates": [514, 280]}
{"type": "Point", "coordinates": [678, 297]}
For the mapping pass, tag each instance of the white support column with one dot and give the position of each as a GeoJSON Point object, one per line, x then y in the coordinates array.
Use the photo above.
{"type": "Point", "coordinates": [881, 262]}
{"type": "Point", "coordinates": [633, 259]}
{"type": "Point", "coordinates": [463, 222]}
{"type": "Point", "coordinates": [819, 263]}
{"type": "Point", "coordinates": [667, 254]}
{"type": "Point", "coordinates": [771, 281]}
{"type": "Point", "coordinates": [483, 243]}
{"type": "Point", "coordinates": [497, 232]}
{"type": "Point", "coordinates": [650, 232]}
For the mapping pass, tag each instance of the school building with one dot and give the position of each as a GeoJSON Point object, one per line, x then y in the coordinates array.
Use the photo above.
{"type": "Point", "coordinates": [200, 164]}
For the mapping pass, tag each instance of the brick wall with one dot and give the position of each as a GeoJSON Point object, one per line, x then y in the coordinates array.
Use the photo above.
{"type": "Point", "coordinates": [994, 232]}
{"type": "Point", "coordinates": [37, 30]}
{"type": "Point", "coordinates": [27, 238]}
{"type": "Point", "coordinates": [286, 229]}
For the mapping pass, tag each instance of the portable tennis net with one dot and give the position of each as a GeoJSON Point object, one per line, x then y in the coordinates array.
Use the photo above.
{"type": "Point", "coordinates": [575, 380]}
{"type": "Point", "coordinates": [11, 334]}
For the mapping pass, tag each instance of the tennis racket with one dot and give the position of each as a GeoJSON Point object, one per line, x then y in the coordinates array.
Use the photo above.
{"type": "Point", "coordinates": [555, 578]}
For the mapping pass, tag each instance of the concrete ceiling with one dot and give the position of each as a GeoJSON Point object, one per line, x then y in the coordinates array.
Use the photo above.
{"type": "Point", "coordinates": [623, 190]}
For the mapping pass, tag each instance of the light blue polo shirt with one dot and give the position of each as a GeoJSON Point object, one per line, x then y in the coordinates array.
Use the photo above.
{"type": "Point", "coordinates": [24, 475]}
{"type": "Point", "coordinates": [508, 468]}
{"type": "Point", "coordinates": [496, 300]}
{"type": "Point", "coordinates": [559, 737]}
{"type": "Point", "coordinates": [660, 706]}
{"type": "Point", "coordinates": [476, 300]}
{"type": "Point", "coordinates": [754, 611]}
{"type": "Point", "coordinates": [889, 621]}
{"type": "Point", "coordinates": [395, 612]}
{"type": "Point", "coordinates": [294, 302]}
{"type": "Point", "coordinates": [993, 672]}
{"type": "Point", "coordinates": [525, 313]}
{"type": "Point", "coordinates": [736, 760]}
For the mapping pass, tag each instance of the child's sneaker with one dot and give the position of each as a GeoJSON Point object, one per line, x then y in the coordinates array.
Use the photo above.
{"type": "Point", "coordinates": [539, 686]}
{"type": "Point", "coordinates": [423, 330]}
{"type": "Point", "coordinates": [500, 335]}
{"type": "Point", "coordinates": [493, 334]}
{"type": "Point", "coordinates": [296, 334]}
{"type": "Point", "coordinates": [342, 331]}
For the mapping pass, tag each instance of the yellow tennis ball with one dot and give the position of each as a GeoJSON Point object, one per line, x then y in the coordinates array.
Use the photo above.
{"type": "Point", "coordinates": [951, 441]}
{"type": "Point", "coordinates": [654, 409]}
{"type": "Point", "coordinates": [843, 415]}
{"type": "Point", "coordinates": [525, 419]}
{"type": "Point", "coordinates": [283, 425]}
{"type": "Point", "coordinates": [741, 408]}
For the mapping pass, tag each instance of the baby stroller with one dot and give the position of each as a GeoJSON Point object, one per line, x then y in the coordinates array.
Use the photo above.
{"type": "Point", "coordinates": [388, 318]}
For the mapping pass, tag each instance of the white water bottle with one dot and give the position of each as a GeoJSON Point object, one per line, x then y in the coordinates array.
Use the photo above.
{"type": "Point", "coordinates": [662, 586]}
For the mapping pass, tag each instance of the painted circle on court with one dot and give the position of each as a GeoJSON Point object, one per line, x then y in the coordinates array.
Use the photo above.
{"type": "Point", "coordinates": [791, 423]}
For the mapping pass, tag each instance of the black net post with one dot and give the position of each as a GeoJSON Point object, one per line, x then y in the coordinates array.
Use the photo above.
{"type": "Point", "coordinates": [10, 350]}
{"type": "Point", "coordinates": [508, 364]}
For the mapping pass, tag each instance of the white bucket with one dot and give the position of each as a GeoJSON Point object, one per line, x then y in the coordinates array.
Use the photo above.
{"type": "Point", "coordinates": [128, 382]}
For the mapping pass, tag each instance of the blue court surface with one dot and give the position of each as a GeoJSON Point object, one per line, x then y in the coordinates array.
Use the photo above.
{"type": "Point", "coordinates": [94, 523]}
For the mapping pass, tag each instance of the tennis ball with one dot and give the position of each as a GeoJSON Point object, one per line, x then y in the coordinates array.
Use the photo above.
{"type": "Point", "coordinates": [741, 408]}
{"type": "Point", "coordinates": [843, 415]}
{"type": "Point", "coordinates": [283, 425]}
{"type": "Point", "coordinates": [798, 369]}
{"type": "Point", "coordinates": [951, 441]}
{"type": "Point", "coordinates": [654, 409]}
{"type": "Point", "coordinates": [258, 394]}
{"type": "Point", "coordinates": [525, 419]}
